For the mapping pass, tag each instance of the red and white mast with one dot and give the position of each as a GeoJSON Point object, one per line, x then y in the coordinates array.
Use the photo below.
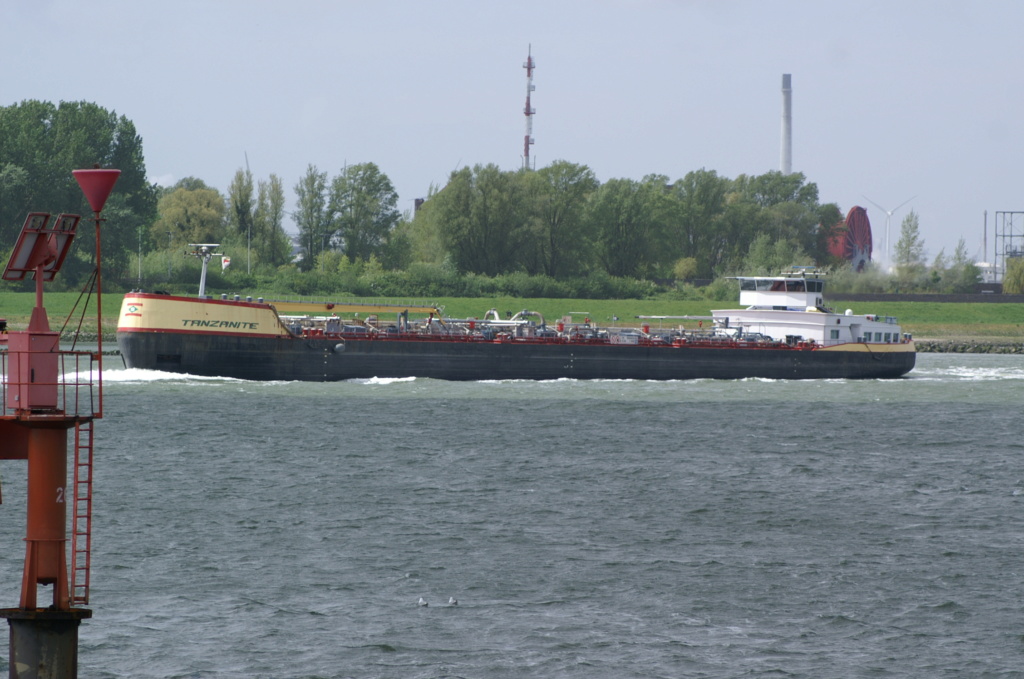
{"type": "Point", "coordinates": [529, 110]}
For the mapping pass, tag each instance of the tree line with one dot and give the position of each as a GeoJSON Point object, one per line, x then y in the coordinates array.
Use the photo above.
{"type": "Point", "coordinates": [557, 230]}
{"type": "Point", "coordinates": [560, 221]}
{"type": "Point", "coordinates": [40, 143]}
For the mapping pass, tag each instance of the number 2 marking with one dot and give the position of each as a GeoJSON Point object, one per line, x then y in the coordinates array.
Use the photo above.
{"type": "Point", "coordinates": [60, 495]}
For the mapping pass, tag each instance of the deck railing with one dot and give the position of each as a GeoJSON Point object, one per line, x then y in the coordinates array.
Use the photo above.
{"type": "Point", "coordinates": [75, 389]}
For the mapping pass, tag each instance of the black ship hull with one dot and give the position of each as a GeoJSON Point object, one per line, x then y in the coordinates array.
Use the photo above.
{"type": "Point", "coordinates": [332, 359]}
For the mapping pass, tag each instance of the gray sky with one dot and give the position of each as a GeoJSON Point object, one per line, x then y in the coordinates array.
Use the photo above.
{"type": "Point", "coordinates": [892, 99]}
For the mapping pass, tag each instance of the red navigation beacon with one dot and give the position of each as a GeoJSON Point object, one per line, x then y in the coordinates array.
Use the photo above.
{"type": "Point", "coordinates": [40, 251]}
{"type": "Point", "coordinates": [47, 393]}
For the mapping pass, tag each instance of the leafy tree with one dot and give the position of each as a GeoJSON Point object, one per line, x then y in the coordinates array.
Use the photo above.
{"type": "Point", "coordinates": [685, 269]}
{"type": "Point", "coordinates": [788, 211]}
{"type": "Point", "coordinates": [397, 252]}
{"type": "Point", "coordinates": [14, 187]}
{"type": "Point", "coordinates": [191, 212]}
{"type": "Point", "coordinates": [768, 256]}
{"type": "Point", "coordinates": [773, 188]}
{"type": "Point", "coordinates": [312, 216]}
{"type": "Point", "coordinates": [700, 197]}
{"type": "Point", "coordinates": [699, 226]}
{"type": "Point", "coordinates": [364, 204]}
{"type": "Point", "coordinates": [963, 274]}
{"type": "Point", "coordinates": [794, 222]}
{"type": "Point", "coordinates": [482, 216]}
{"type": "Point", "coordinates": [273, 245]}
{"type": "Point", "coordinates": [422, 232]}
{"type": "Point", "coordinates": [188, 183]}
{"type": "Point", "coordinates": [564, 190]}
{"type": "Point", "coordinates": [910, 252]}
{"type": "Point", "coordinates": [560, 222]}
{"type": "Point", "coordinates": [1013, 277]}
{"type": "Point", "coordinates": [623, 217]}
{"type": "Point", "coordinates": [241, 214]}
{"type": "Point", "coordinates": [40, 144]}
{"type": "Point", "coordinates": [826, 217]}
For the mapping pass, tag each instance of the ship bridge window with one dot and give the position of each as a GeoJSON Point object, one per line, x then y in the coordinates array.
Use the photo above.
{"type": "Point", "coordinates": [794, 286]}
{"type": "Point", "coordinates": [814, 286]}
{"type": "Point", "coordinates": [765, 285]}
{"type": "Point", "coordinates": [778, 286]}
{"type": "Point", "coordinates": [747, 285]}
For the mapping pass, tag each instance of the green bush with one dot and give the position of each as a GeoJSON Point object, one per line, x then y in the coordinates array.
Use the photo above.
{"type": "Point", "coordinates": [432, 280]}
{"type": "Point", "coordinates": [521, 284]}
{"type": "Point", "coordinates": [685, 293]}
{"type": "Point", "coordinates": [721, 290]}
{"type": "Point", "coordinates": [1013, 280]}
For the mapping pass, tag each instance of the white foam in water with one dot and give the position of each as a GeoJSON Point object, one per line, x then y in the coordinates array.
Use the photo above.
{"type": "Point", "coordinates": [137, 375]}
{"type": "Point", "coordinates": [978, 373]}
{"type": "Point", "coordinates": [1002, 373]}
{"type": "Point", "coordinates": [385, 380]}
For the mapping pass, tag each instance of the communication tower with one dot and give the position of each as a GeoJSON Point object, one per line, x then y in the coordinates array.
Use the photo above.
{"type": "Point", "coordinates": [529, 65]}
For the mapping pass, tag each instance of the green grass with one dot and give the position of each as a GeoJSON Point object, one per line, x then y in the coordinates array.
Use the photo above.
{"type": "Point", "coordinates": [16, 307]}
{"type": "Point", "coordinates": [996, 322]}
{"type": "Point", "coordinates": [993, 322]}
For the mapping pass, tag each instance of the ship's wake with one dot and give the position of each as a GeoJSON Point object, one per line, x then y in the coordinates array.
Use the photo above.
{"type": "Point", "coordinates": [138, 376]}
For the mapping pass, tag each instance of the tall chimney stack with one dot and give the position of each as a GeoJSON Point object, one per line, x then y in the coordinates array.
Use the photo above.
{"type": "Point", "coordinates": [787, 125]}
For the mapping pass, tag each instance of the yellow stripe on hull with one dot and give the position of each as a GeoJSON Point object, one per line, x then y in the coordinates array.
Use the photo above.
{"type": "Point", "coordinates": [901, 348]}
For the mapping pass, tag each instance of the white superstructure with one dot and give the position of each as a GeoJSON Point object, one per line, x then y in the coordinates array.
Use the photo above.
{"type": "Point", "coordinates": [790, 308]}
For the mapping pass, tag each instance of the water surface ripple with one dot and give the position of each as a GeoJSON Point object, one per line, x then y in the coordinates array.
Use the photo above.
{"type": "Point", "coordinates": [604, 529]}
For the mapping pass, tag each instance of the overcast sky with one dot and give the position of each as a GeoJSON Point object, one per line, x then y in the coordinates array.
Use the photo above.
{"type": "Point", "coordinates": [892, 100]}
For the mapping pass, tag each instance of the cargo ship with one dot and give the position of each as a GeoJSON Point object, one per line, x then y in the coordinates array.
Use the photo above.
{"type": "Point", "coordinates": [784, 332]}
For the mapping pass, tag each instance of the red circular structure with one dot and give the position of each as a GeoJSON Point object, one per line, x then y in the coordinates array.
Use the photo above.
{"type": "Point", "coordinates": [851, 239]}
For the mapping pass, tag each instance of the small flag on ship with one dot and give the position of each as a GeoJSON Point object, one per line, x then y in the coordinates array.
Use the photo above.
{"type": "Point", "coordinates": [225, 262]}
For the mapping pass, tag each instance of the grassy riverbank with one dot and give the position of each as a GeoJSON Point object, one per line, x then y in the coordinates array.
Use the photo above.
{"type": "Point", "coordinates": [988, 323]}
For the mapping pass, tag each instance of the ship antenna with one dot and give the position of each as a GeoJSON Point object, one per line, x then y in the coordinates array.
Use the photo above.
{"type": "Point", "coordinates": [205, 252]}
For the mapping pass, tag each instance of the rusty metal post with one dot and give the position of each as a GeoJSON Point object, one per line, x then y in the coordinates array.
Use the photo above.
{"type": "Point", "coordinates": [44, 644]}
{"type": "Point", "coordinates": [46, 528]}
{"type": "Point", "coordinates": [43, 641]}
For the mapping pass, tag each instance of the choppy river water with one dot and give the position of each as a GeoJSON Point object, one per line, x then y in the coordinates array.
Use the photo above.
{"type": "Point", "coordinates": [587, 529]}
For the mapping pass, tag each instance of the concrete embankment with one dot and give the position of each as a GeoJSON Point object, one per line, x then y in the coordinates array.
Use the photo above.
{"type": "Point", "coordinates": [939, 346]}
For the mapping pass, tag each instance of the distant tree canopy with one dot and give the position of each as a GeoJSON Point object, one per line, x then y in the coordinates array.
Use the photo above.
{"type": "Point", "coordinates": [40, 144]}
{"type": "Point", "coordinates": [190, 212]}
{"type": "Point", "coordinates": [364, 206]}
{"type": "Point", "coordinates": [356, 214]}
{"type": "Point", "coordinates": [909, 256]}
{"type": "Point", "coordinates": [256, 220]}
{"type": "Point", "coordinates": [312, 216]}
{"type": "Point", "coordinates": [558, 224]}
{"type": "Point", "coordinates": [561, 222]}
{"type": "Point", "coordinates": [1013, 279]}
{"type": "Point", "coordinates": [272, 243]}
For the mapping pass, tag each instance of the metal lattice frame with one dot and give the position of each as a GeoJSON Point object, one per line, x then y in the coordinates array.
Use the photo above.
{"type": "Point", "coordinates": [1009, 232]}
